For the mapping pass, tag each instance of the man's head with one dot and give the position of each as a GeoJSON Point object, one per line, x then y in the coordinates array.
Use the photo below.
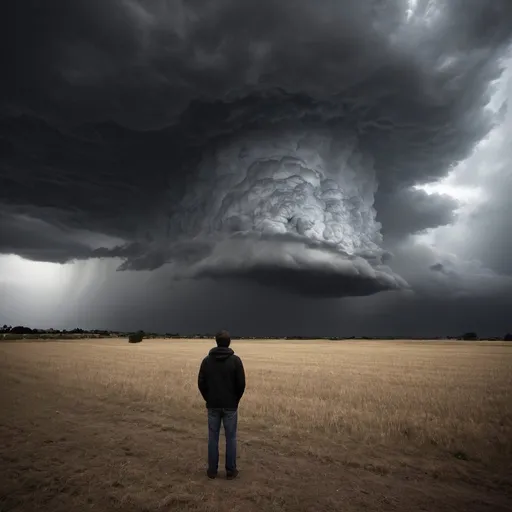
{"type": "Point", "coordinates": [223, 339]}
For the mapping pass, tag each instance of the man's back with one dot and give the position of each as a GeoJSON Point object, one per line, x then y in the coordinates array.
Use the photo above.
{"type": "Point", "coordinates": [221, 379]}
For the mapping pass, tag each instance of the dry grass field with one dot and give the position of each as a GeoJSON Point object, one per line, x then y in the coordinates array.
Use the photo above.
{"type": "Point", "coordinates": [324, 426]}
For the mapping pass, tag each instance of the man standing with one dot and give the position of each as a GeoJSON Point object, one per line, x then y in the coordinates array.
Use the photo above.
{"type": "Point", "coordinates": [221, 381]}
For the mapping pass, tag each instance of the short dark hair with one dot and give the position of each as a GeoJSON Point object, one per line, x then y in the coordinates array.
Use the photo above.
{"type": "Point", "coordinates": [223, 338]}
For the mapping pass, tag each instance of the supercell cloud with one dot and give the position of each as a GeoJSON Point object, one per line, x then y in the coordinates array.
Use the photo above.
{"type": "Point", "coordinates": [287, 206]}
{"type": "Point", "coordinates": [280, 129]}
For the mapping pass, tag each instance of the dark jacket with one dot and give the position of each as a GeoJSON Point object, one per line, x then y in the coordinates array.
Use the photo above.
{"type": "Point", "coordinates": [221, 379]}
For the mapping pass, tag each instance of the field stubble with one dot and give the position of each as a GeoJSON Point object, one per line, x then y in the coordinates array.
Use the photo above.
{"type": "Point", "coordinates": [371, 425]}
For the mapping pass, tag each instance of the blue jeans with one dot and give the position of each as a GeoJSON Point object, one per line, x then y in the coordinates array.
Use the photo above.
{"type": "Point", "coordinates": [230, 419]}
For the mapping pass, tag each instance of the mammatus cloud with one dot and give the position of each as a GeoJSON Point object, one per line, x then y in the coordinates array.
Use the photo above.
{"type": "Point", "coordinates": [283, 149]}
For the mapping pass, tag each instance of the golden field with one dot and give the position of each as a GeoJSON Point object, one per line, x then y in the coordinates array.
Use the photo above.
{"type": "Point", "coordinates": [324, 426]}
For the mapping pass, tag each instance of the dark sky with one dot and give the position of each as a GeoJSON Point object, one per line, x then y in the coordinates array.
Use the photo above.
{"type": "Point", "coordinates": [292, 167]}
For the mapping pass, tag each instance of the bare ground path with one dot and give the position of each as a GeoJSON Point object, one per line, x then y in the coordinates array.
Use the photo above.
{"type": "Point", "coordinates": [67, 447]}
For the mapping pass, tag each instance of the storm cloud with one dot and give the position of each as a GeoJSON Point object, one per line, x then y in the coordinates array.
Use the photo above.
{"type": "Point", "coordinates": [280, 142]}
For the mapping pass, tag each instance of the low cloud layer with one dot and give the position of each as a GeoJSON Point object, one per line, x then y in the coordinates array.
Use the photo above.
{"type": "Point", "coordinates": [275, 142]}
{"type": "Point", "coordinates": [410, 211]}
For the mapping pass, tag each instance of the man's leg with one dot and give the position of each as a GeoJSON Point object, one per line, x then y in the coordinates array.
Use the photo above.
{"type": "Point", "coordinates": [230, 420]}
{"type": "Point", "coordinates": [214, 419]}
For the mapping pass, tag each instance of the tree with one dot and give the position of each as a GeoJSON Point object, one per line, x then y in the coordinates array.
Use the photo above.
{"type": "Point", "coordinates": [469, 336]}
{"type": "Point", "coordinates": [21, 329]}
{"type": "Point", "coordinates": [507, 337]}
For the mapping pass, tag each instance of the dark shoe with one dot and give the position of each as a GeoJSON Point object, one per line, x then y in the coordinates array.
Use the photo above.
{"type": "Point", "coordinates": [211, 474]}
{"type": "Point", "coordinates": [231, 475]}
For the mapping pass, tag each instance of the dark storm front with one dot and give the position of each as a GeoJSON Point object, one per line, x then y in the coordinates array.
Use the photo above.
{"type": "Point", "coordinates": [310, 151]}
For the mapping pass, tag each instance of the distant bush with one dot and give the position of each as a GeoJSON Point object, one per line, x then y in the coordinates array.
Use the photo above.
{"type": "Point", "coordinates": [136, 337]}
{"type": "Point", "coordinates": [468, 336]}
{"type": "Point", "coordinates": [507, 337]}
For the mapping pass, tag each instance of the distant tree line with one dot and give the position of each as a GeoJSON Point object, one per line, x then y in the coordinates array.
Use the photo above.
{"type": "Point", "coordinates": [21, 331]}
